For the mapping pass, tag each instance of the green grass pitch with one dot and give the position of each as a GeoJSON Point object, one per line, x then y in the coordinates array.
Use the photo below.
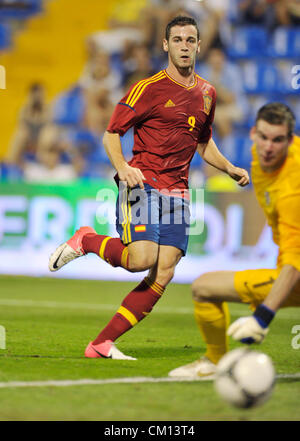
{"type": "Point", "coordinates": [49, 322]}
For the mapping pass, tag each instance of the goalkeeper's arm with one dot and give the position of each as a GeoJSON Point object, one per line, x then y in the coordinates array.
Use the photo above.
{"type": "Point", "coordinates": [254, 329]}
{"type": "Point", "coordinates": [282, 288]}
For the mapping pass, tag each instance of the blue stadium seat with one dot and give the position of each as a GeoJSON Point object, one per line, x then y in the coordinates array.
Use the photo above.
{"type": "Point", "coordinates": [20, 9]}
{"type": "Point", "coordinates": [10, 172]}
{"type": "Point", "coordinates": [5, 36]}
{"type": "Point", "coordinates": [197, 162]}
{"type": "Point", "coordinates": [294, 104]}
{"type": "Point", "coordinates": [285, 43]}
{"type": "Point", "coordinates": [260, 77]}
{"type": "Point", "coordinates": [237, 148]}
{"type": "Point", "coordinates": [90, 145]}
{"type": "Point", "coordinates": [116, 63]}
{"type": "Point", "coordinates": [69, 107]}
{"type": "Point", "coordinates": [255, 103]}
{"type": "Point", "coordinates": [289, 77]}
{"type": "Point", "coordinates": [232, 14]}
{"type": "Point", "coordinates": [86, 142]}
{"type": "Point", "coordinates": [248, 42]}
{"type": "Point", "coordinates": [92, 150]}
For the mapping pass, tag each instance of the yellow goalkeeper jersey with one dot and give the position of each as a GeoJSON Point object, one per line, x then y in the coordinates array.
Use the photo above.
{"type": "Point", "coordinates": [278, 193]}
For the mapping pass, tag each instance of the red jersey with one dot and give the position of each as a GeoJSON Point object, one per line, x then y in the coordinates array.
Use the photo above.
{"type": "Point", "coordinates": [169, 121]}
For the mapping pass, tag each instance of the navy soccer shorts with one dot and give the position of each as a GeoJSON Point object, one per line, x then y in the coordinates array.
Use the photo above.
{"type": "Point", "coordinates": [150, 215]}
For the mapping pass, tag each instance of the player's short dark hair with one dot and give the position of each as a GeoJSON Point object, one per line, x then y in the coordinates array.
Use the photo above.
{"type": "Point", "coordinates": [276, 114]}
{"type": "Point", "coordinates": [181, 20]}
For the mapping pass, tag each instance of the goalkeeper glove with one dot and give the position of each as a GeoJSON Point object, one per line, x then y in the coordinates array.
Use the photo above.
{"type": "Point", "coordinates": [252, 329]}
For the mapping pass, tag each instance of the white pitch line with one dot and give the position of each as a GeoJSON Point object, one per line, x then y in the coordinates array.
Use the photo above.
{"type": "Point", "coordinates": [128, 380]}
{"type": "Point", "coordinates": [292, 376]}
{"type": "Point", "coordinates": [243, 310]}
{"type": "Point", "coordinates": [87, 381]}
{"type": "Point", "coordinates": [55, 305]}
{"type": "Point", "coordinates": [284, 313]}
{"type": "Point", "coordinates": [82, 306]}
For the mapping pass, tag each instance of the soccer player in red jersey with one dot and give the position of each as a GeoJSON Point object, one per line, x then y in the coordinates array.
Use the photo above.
{"type": "Point", "coordinates": [172, 114]}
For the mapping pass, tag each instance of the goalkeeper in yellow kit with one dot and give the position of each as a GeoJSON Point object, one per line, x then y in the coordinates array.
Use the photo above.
{"type": "Point", "coordinates": [275, 173]}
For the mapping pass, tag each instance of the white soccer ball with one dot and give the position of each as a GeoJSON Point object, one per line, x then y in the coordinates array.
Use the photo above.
{"type": "Point", "coordinates": [245, 378]}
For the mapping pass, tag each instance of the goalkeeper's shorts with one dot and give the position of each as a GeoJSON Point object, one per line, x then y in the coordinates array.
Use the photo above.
{"type": "Point", "coordinates": [253, 286]}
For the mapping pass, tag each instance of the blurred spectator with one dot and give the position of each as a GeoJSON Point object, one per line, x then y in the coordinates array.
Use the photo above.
{"type": "Point", "coordinates": [137, 64]}
{"type": "Point", "coordinates": [34, 115]}
{"type": "Point", "coordinates": [288, 12]}
{"type": "Point", "coordinates": [226, 78]}
{"type": "Point", "coordinates": [154, 19]}
{"type": "Point", "coordinates": [124, 26]}
{"type": "Point", "coordinates": [83, 112]}
{"type": "Point", "coordinates": [98, 74]}
{"type": "Point", "coordinates": [254, 12]}
{"type": "Point", "coordinates": [69, 107]}
{"type": "Point", "coordinates": [100, 90]}
{"type": "Point", "coordinates": [151, 19]}
{"type": "Point", "coordinates": [113, 41]}
{"type": "Point", "coordinates": [98, 109]}
{"type": "Point", "coordinates": [49, 166]}
{"type": "Point", "coordinates": [211, 16]}
{"type": "Point", "coordinates": [268, 13]}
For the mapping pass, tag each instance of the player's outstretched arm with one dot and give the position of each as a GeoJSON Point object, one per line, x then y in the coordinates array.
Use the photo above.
{"type": "Point", "coordinates": [212, 155]}
{"type": "Point", "coordinates": [282, 288]}
{"type": "Point", "coordinates": [113, 147]}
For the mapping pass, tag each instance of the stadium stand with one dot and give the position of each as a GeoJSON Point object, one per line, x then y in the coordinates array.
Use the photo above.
{"type": "Point", "coordinates": [284, 43]}
{"type": "Point", "coordinates": [264, 53]}
{"type": "Point", "coordinates": [19, 9]}
{"type": "Point", "coordinates": [248, 42]}
{"type": "Point", "coordinates": [5, 36]}
{"type": "Point", "coordinates": [48, 47]}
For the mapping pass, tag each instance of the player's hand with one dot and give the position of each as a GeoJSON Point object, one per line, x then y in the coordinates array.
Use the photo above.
{"type": "Point", "coordinates": [132, 175]}
{"type": "Point", "coordinates": [247, 330]}
{"type": "Point", "coordinates": [240, 175]}
{"type": "Point", "coordinates": [252, 329]}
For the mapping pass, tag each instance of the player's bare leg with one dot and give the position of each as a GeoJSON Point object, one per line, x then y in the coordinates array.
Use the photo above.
{"type": "Point", "coordinates": [142, 255]}
{"type": "Point", "coordinates": [163, 271]}
{"type": "Point", "coordinates": [210, 292]}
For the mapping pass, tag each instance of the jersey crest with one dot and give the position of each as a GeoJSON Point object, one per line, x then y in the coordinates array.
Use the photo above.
{"type": "Point", "coordinates": [207, 100]}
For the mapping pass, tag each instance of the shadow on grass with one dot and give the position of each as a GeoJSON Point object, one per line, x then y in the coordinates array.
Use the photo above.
{"type": "Point", "coordinates": [56, 357]}
{"type": "Point", "coordinates": [158, 352]}
{"type": "Point", "coordinates": [288, 380]}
